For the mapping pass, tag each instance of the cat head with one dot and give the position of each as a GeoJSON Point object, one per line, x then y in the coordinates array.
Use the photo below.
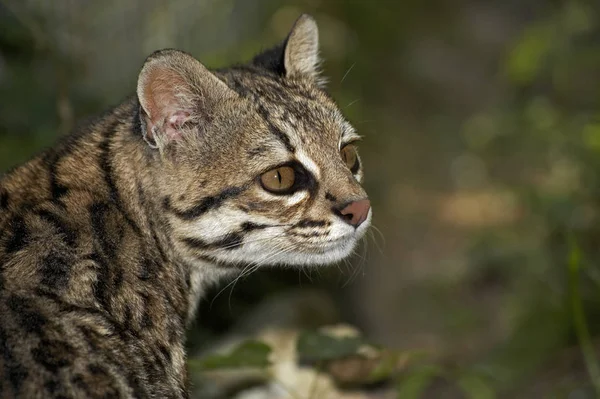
{"type": "Point", "coordinates": [257, 163]}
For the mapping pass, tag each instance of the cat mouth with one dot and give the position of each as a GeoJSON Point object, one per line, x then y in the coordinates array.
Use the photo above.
{"type": "Point", "coordinates": [333, 245]}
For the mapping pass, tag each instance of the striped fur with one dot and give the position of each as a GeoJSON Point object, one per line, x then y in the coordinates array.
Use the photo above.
{"type": "Point", "coordinates": [108, 240]}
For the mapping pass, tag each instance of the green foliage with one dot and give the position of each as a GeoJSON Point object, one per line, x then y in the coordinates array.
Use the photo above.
{"type": "Point", "coordinates": [314, 346]}
{"type": "Point", "coordinates": [249, 354]}
{"type": "Point", "coordinates": [580, 324]}
{"type": "Point", "coordinates": [414, 384]}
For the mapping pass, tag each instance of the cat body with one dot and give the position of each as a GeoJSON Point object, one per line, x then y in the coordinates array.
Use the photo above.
{"type": "Point", "coordinates": [109, 239]}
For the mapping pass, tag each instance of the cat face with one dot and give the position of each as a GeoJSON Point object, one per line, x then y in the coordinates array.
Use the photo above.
{"type": "Point", "coordinates": [260, 166]}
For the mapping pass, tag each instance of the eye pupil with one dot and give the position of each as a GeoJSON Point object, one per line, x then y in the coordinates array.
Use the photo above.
{"type": "Point", "coordinates": [279, 180]}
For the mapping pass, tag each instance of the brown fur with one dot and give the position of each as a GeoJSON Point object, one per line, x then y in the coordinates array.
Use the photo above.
{"type": "Point", "coordinates": [108, 240]}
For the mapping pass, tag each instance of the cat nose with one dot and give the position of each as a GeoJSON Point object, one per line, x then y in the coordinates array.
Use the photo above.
{"type": "Point", "coordinates": [356, 212]}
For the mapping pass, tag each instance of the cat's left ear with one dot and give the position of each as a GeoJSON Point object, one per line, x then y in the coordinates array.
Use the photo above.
{"type": "Point", "coordinates": [301, 49]}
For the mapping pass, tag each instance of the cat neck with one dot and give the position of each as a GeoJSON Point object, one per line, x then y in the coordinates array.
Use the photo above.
{"type": "Point", "coordinates": [136, 173]}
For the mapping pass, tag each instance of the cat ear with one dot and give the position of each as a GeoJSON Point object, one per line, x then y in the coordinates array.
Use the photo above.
{"type": "Point", "coordinates": [174, 89]}
{"type": "Point", "coordinates": [301, 53]}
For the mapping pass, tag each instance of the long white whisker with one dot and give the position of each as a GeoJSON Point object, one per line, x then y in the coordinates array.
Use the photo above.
{"type": "Point", "coordinates": [248, 270]}
{"type": "Point", "coordinates": [352, 102]}
{"type": "Point", "coordinates": [347, 72]}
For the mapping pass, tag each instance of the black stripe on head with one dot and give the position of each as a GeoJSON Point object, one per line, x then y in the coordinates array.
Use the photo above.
{"type": "Point", "coordinates": [275, 130]}
{"type": "Point", "coordinates": [311, 223]}
{"type": "Point", "coordinates": [249, 226]}
{"type": "Point", "coordinates": [205, 204]}
{"type": "Point", "coordinates": [330, 197]}
{"type": "Point", "coordinates": [309, 235]}
{"type": "Point", "coordinates": [228, 241]}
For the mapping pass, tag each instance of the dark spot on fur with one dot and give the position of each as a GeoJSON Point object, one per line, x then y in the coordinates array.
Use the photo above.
{"type": "Point", "coordinates": [3, 199]}
{"type": "Point", "coordinates": [14, 371]}
{"type": "Point", "coordinates": [330, 197]}
{"type": "Point", "coordinates": [147, 269]}
{"type": "Point", "coordinates": [253, 152]}
{"type": "Point", "coordinates": [165, 352]}
{"type": "Point", "coordinates": [20, 235]}
{"type": "Point", "coordinates": [102, 384]}
{"type": "Point", "coordinates": [60, 225]}
{"type": "Point", "coordinates": [29, 318]}
{"type": "Point", "coordinates": [51, 386]}
{"type": "Point", "coordinates": [56, 270]}
{"type": "Point", "coordinates": [53, 354]}
{"type": "Point", "coordinates": [91, 337]}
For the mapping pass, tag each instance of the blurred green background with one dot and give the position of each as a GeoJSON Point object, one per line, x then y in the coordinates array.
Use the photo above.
{"type": "Point", "coordinates": [481, 147]}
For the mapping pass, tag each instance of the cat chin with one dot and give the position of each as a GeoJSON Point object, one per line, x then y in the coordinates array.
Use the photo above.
{"type": "Point", "coordinates": [331, 255]}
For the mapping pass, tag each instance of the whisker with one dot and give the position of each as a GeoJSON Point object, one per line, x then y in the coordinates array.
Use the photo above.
{"type": "Point", "coordinates": [307, 274]}
{"type": "Point", "coordinates": [352, 102]}
{"type": "Point", "coordinates": [347, 72]}
{"type": "Point", "coordinates": [250, 269]}
{"type": "Point", "coordinates": [360, 266]}
{"type": "Point", "coordinates": [374, 229]}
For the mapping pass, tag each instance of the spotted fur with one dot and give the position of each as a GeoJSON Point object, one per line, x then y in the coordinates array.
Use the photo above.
{"type": "Point", "coordinates": [108, 240]}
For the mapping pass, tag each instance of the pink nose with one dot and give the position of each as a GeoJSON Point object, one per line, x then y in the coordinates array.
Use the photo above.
{"type": "Point", "coordinates": [356, 212]}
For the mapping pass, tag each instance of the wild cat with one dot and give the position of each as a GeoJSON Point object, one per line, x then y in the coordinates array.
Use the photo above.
{"type": "Point", "coordinates": [109, 239]}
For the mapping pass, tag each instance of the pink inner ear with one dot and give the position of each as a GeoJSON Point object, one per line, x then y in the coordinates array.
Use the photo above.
{"type": "Point", "coordinates": [174, 124]}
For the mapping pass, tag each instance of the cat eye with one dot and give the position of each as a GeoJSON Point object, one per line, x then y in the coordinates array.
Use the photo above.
{"type": "Point", "coordinates": [279, 180]}
{"type": "Point", "coordinates": [350, 157]}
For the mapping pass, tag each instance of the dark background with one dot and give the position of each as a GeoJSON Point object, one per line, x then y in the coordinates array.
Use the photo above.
{"type": "Point", "coordinates": [481, 151]}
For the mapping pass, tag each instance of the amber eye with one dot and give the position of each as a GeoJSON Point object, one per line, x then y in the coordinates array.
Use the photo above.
{"type": "Point", "coordinates": [350, 157]}
{"type": "Point", "coordinates": [278, 180]}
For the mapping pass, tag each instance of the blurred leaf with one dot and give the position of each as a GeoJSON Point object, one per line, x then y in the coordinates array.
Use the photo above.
{"type": "Point", "coordinates": [317, 346]}
{"type": "Point", "coordinates": [578, 18]}
{"type": "Point", "coordinates": [475, 387]}
{"type": "Point", "coordinates": [591, 136]}
{"type": "Point", "coordinates": [414, 384]}
{"type": "Point", "coordinates": [391, 362]}
{"type": "Point", "coordinates": [387, 365]}
{"type": "Point", "coordinates": [579, 318]}
{"type": "Point", "coordinates": [526, 58]}
{"type": "Point", "coordinates": [249, 354]}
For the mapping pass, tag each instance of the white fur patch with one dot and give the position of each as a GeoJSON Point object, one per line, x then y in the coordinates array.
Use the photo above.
{"type": "Point", "coordinates": [297, 197]}
{"type": "Point", "coordinates": [308, 163]}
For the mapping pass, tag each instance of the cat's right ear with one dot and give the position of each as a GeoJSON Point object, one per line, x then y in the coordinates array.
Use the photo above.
{"type": "Point", "coordinates": [174, 89]}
